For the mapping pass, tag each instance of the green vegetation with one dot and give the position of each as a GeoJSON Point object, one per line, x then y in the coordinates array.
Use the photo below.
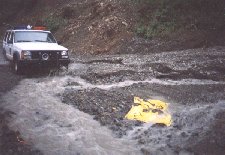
{"type": "Point", "coordinates": [158, 18]}
{"type": "Point", "coordinates": [54, 23]}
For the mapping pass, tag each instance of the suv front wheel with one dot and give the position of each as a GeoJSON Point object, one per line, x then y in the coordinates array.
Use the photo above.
{"type": "Point", "coordinates": [17, 68]}
{"type": "Point", "coordinates": [4, 54]}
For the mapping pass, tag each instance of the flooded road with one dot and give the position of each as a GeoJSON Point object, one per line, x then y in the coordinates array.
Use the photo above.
{"type": "Point", "coordinates": [56, 128]}
{"type": "Point", "coordinates": [81, 111]}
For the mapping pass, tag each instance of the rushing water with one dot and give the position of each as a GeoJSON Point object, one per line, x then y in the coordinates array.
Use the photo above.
{"type": "Point", "coordinates": [82, 84]}
{"type": "Point", "coordinates": [190, 125]}
{"type": "Point", "coordinates": [56, 128]}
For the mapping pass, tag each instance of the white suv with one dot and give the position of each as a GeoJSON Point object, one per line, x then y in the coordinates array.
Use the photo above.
{"type": "Point", "coordinates": [25, 47]}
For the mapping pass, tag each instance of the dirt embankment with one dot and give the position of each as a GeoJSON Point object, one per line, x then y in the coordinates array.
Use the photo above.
{"type": "Point", "coordinates": [110, 26]}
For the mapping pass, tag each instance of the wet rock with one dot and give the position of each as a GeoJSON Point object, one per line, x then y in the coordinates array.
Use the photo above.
{"type": "Point", "coordinates": [169, 136]}
{"type": "Point", "coordinates": [100, 104]}
{"type": "Point", "coordinates": [160, 67]}
{"type": "Point", "coordinates": [145, 151]}
{"type": "Point", "coordinates": [179, 127]}
{"type": "Point", "coordinates": [195, 134]}
{"type": "Point", "coordinates": [141, 141]}
{"type": "Point", "coordinates": [184, 134]}
{"type": "Point", "coordinates": [158, 125]}
{"type": "Point", "coordinates": [73, 84]}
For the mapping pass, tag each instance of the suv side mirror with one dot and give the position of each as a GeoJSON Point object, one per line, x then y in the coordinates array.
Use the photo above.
{"type": "Point", "coordinates": [59, 42]}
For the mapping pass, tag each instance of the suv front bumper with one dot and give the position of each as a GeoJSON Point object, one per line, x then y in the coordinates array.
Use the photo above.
{"type": "Point", "coordinates": [45, 63]}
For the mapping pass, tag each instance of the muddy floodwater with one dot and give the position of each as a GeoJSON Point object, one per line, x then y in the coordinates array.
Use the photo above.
{"type": "Point", "coordinates": [81, 111]}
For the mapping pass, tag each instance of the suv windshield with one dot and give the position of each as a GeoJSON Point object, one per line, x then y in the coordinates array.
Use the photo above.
{"type": "Point", "coordinates": [34, 36]}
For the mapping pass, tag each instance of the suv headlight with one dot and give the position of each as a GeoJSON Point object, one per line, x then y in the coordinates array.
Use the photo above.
{"type": "Point", "coordinates": [26, 54]}
{"type": "Point", "coordinates": [63, 53]}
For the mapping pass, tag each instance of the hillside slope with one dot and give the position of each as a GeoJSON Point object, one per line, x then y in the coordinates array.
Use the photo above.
{"type": "Point", "coordinates": [129, 26]}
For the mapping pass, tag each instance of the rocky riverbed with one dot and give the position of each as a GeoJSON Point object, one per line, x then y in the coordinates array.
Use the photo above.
{"type": "Point", "coordinates": [191, 81]}
{"type": "Point", "coordinates": [82, 110]}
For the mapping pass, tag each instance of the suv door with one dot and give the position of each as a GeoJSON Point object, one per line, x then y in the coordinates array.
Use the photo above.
{"type": "Point", "coordinates": [9, 44]}
{"type": "Point", "coordinates": [4, 43]}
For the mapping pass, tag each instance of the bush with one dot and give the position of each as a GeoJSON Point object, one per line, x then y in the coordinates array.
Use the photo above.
{"type": "Point", "coordinates": [162, 17]}
{"type": "Point", "coordinates": [54, 23]}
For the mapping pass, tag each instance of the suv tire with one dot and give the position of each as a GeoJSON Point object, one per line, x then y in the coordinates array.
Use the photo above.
{"type": "Point", "coordinates": [4, 53]}
{"type": "Point", "coordinates": [17, 68]}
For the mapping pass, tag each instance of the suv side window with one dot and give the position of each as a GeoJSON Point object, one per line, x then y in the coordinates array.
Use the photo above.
{"type": "Point", "coordinates": [5, 37]}
{"type": "Point", "coordinates": [10, 37]}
